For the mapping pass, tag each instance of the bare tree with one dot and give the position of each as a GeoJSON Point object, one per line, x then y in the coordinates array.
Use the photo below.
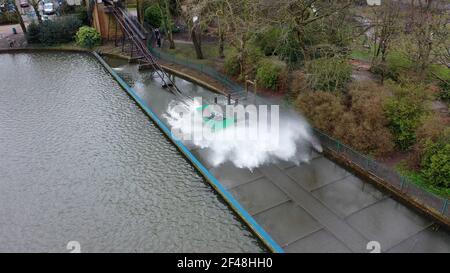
{"type": "Point", "coordinates": [193, 13]}
{"type": "Point", "coordinates": [167, 21]}
{"type": "Point", "coordinates": [35, 5]}
{"type": "Point", "coordinates": [428, 29]}
{"type": "Point", "coordinates": [294, 16]}
{"type": "Point", "coordinates": [386, 24]}
{"type": "Point", "coordinates": [241, 18]}
{"type": "Point", "coordinates": [215, 12]}
{"type": "Point", "coordinates": [139, 11]}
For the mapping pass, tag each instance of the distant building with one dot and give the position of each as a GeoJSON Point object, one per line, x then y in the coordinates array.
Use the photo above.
{"type": "Point", "coordinates": [374, 2]}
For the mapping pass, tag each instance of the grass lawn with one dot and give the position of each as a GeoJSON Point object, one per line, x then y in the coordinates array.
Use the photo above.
{"type": "Point", "coordinates": [187, 51]}
{"type": "Point", "coordinates": [417, 178]}
{"type": "Point", "coordinates": [361, 54]}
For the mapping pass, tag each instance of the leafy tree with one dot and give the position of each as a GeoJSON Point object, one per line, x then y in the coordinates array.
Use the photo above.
{"type": "Point", "coordinates": [153, 16]}
{"type": "Point", "coordinates": [436, 161]}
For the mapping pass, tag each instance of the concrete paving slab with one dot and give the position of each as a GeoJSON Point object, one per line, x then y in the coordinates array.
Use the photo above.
{"type": "Point", "coordinates": [426, 241]}
{"type": "Point", "coordinates": [347, 196]}
{"type": "Point", "coordinates": [282, 164]}
{"type": "Point", "coordinates": [319, 172]}
{"type": "Point", "coordinates": [388, 222]}
{"type": "Point", "coordinates": [231, 176]}
{"type": "Point", "coordinates": [321, 241]}
{"type": "Point", "coordinates": [202, 155]}
{"type": "Point", "coordinates": [287, 223]}
{"type": "Point", "coordinates": [337, 226]}
{"type": "Point", "coordinates": [259, 195]}
{"type": "Point", "coordinates": [191, 146]}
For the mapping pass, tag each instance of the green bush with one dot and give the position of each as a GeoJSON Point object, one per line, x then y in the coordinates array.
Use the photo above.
{"type": "Point", "coordinates": [405, 111]}
{"type": "Point", "coordinates": [436, 162]}
{"type": "Point", "coordinates": [88, 37]}
{"type": "Point", "coordinates": [54, 32]}
{"type": "Point", "coordinates": [397, 65]}
{"type": "Point", "coordinates": [268, 41]}
{"type": "Point", "coordinates": [82, 15]}
{"type": "Point", "coordinates": [251, 57]}
{"type": "Point", "coordinates": [152, 16]}
{"type": "Point", "coordinates": [231, 65]}
{"type": "Point", "coordinates": [33, 31]}
{"type": "Point", "coordinates": [444, 93]}
{"type": "Point", "coordinates": [146, 4]}
{"type": "Point", "coordinates": [290, 50]}
{"type": "Point", "coordinates": [268, 74]}
{"type": "Point", "coordinates": [65, 8]}
{"type": "Point", "coordinates": [328, 74]}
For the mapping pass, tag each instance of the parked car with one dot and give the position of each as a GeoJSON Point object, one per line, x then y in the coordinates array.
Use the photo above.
{"type": "Point", "coordinates": [49, 8]}
{"type": "Point", "coordinates": [24, 3]}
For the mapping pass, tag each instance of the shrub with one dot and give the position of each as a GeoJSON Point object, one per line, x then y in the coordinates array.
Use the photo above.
{"type": "Point", "coordinates": [289, 49]}
{"type": "Point", "coordinates": [33, 31]}
{"type": "Point", "coordinates": [88, 37]}
{"type": "Point", "coordinates": [362, 124]}
{"type": "Point", "coordinates": [65, 8]}
{"type": "Point", "coordinates": [54, 32]}
{"type": "Point", "coordinates": [252, 55]}
{"type": "Point", "coordinates": [82, 15]}
{"type": "Point", "coordinates": [298, 83]}
{"type": "Point", "coordinates": [364, 127]}
{"type": "Point", "coordinates": [152, 16]}
{"type": "Point", "coordinates": [436, 161]}
{"type": "Point", "coordinates": [405, 111]}
{"type": "Point", "coordinates": [269, 74]}
{"type": "Point", "coordinates": [231, 65]}
{"type": "Point", "coordinates": [245, 62]}
{"type": "Point", "coordinates": [268, 41]}
{"type": "Point", "coordinates": [397, 65]}
{"type": "Point", "coordinates": [431, 128]}
{"type": "Point", "coordinates": [146, 4]}
{"type": "Point", "coordinates": [323, 109]}
{"type": "Point", "coordinates": [444, 94]}
{"type": "Point", "coordinates": [328, 74]}
{"type": "Point", "coordinates": [69, 27]}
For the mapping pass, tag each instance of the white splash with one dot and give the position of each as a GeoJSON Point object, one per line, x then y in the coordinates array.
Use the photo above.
{"type": "Point", "coordinates": [291, 140]}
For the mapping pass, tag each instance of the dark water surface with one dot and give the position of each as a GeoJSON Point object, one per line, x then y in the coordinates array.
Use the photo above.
{"type": "Point", "coordinates": [80, 161]}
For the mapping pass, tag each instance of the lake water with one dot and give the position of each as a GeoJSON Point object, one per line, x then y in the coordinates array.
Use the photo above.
{"type": "Point", "coordinates": [80, 161]}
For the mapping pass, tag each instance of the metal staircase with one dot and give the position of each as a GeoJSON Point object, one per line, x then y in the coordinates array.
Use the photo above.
{"type": "Point", "coordinates": [137, 35]}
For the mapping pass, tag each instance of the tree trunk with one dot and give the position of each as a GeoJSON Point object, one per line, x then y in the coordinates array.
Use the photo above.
{"type": "Point", "coordinates": [197, 41]}
{"type": "Point", "coordinates": [168, 24]}
{"type": "Point", "coordinates": [139, 12]}
{"type": "Point", "coordinates": [19, 16]}
{"type": "Point", "coordinates": [221, 45]}
{"type": "Point", "coordinates": [35, 6]}
{"type": "Point", "coordinates": [170, 38]}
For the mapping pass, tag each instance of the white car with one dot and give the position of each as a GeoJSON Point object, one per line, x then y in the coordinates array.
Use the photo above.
{"type": "Point", "coordinates": [49, 8]}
